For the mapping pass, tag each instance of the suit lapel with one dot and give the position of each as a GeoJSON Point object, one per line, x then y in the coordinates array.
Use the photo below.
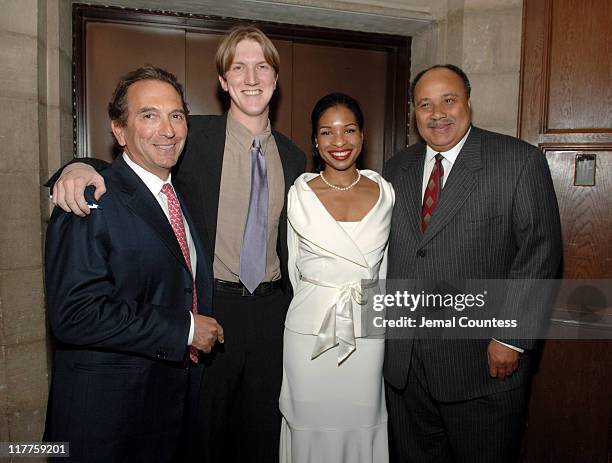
{"type": "Point", "coordinates": [137, 197]}
{"type": "Point", "coordinates": [461, 182]}
{"type": "Point", "coordinates": [410, 191]}
{"type": "Point", "coordinates": [307, 210]}
{"type": "Point", "coordinates": [287, 161]}
{"type": "Point", "coordinates": [210, 180]}
{"type": "Point", "coordinates": [203, 262]}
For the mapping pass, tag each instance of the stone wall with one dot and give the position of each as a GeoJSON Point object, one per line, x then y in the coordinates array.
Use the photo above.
{"type": "Point", "coordinates": [36, 106]}
{"type": "Point", "coordinates": [483, 37]}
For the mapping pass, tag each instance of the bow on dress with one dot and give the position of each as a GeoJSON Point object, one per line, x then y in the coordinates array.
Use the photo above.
{"type": "Point", "coordinates": [338, 327]}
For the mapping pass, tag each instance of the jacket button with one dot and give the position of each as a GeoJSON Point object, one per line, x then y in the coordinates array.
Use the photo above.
{"type": "Point", "coordinates": [161, 354]}
{"type": "Point", "coordinates": [188, 290]}
{"type": "Point", "coordinates": [421, 253]}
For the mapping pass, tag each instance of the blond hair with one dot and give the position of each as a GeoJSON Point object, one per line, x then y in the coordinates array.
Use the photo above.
{"type": "Point", "coordinates": [227, 48]}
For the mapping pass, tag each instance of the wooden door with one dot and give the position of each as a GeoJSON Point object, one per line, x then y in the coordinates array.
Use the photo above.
{"type": "Point", "coordinates": [371, 68]}
{"type": "Point", "coordinates": [112, 50]}
{"type": "Point", "coordinates": [566, 110]}
{"type": "Point", "coordinates": [357, 72]}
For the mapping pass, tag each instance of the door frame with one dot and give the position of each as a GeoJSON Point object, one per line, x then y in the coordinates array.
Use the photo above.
{"type": "Point", "coordinates": [397, 104]}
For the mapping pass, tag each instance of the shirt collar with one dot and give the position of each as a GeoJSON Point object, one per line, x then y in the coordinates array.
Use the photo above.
{"type": "Point", "coordinates": [244, 136]}
{"type": "Point", "coordinates": [451, 154]}
{"type": "Point", "coordinates": [152, 181]}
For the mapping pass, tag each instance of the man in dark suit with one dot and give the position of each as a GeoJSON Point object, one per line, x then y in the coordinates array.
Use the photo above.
{"type": "Point", "coordinates": [470, 204]}
{"type": "Point", "coordinates": [129, 289]}
{"type": "Point", "coordinates": [239, 418]}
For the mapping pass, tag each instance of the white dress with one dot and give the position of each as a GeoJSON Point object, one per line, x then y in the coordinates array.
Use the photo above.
{"type": "Point", "coordinates": [332, 397]}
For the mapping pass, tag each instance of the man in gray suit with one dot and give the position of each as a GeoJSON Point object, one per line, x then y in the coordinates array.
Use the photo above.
{"type": "Point", "coordinates": [470, 204]}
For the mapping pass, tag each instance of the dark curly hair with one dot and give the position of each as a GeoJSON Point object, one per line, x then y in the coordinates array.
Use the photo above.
{"type": "Point", "coordinates": [117, 108]}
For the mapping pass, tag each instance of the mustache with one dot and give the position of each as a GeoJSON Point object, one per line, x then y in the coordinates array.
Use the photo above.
{"type": "Point", "coordinates": [441, 122]}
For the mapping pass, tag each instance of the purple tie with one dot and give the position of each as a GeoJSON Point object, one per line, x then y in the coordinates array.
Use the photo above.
{"type": "Point", "coordinates": [253, 251]}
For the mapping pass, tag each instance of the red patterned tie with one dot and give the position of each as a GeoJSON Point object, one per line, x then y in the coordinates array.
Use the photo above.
{"type": "Point", "coordinates": [176, 221]}
{"type": "Point", "coordinates": [432, 192]}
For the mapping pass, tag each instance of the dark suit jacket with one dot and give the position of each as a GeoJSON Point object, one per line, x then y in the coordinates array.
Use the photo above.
{"type": "Point", "coordinates": [119, 295]}
{"type": "Point", "coordinates": [497, 219]}
{"type": "Point", "coordinates": [198, 178]}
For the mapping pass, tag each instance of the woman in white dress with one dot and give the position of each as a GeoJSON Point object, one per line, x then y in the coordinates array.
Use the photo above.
{"type": "Point", "coordinates": [332, 397]}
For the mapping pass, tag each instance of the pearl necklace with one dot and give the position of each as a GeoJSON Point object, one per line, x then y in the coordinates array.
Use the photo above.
{"type": "Point", "coordinates": [341, 188]}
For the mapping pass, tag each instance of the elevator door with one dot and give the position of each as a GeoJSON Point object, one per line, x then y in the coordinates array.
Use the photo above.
{"type": "Point", "coordinates": [308, 71]}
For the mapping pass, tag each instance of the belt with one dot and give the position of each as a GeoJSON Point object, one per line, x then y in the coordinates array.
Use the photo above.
{"type": "Point", "coordinates": [236, 287]}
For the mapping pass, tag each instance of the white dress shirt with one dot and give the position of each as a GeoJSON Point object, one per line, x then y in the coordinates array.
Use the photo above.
{"type": "Point", "coordinates": [450, 157]}
{"type": "Point", "coordinates": [155, 185]}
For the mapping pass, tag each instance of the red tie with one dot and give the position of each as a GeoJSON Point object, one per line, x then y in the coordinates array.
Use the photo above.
{"type": "Point", "coordinates": [432, 192]}
{"type": "Point", "coordinates": [176, 221]}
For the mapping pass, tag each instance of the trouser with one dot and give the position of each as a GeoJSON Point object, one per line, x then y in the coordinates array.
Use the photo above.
{"type": "Point", "coordinates": [238, 416]}
{"type": "Point", "coordinates": [188, 448]}
{"type": "Point", "coordinates": [479, 430]}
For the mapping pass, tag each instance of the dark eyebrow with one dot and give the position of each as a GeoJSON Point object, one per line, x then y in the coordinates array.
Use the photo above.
{"type": "Point", "coordinates": [146, 109]}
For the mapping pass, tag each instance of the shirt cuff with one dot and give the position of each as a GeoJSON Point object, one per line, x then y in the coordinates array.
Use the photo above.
{"type": "Point", "coordinates": [510, 346]}
{"type": "Point", "coordinates": [191, 329]}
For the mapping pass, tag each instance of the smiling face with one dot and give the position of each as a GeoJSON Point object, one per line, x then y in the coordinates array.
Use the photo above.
{"type": "Point", "coordinates": [250, 82]}
{"type": "Point", "coordinates": [154, 134]}
{"type": "Point", "coordinates": [339, 138]}
{"type": "Point", "coordinates": [442, 108]}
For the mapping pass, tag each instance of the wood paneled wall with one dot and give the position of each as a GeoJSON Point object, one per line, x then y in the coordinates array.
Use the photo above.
{"type": "Point", "coordinates": [566, 110]}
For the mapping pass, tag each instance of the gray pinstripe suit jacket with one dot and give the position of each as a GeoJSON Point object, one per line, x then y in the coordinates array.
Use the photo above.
{"type": "Point", "coordinates": [497, 219]}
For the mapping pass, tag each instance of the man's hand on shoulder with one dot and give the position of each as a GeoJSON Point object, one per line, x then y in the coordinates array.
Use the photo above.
{"type": "Point", "coordinates": [502, 360]}
{"type": "Point", "coordinates": [206, 332]}
{"type": "Point", "coordinates": [68, 191]}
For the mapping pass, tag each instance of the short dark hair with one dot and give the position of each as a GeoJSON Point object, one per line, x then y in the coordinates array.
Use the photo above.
{"type": "Point", "coordinates": [451, 67]}
{"type": "Point", "coordinates": [117, 108]}
{"type": "Point", "coordinates": [329, 101]}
